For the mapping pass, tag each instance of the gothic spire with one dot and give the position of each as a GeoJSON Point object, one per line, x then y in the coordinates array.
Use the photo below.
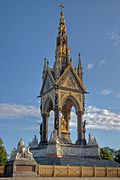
{"type": "Point", "coordinates": [45, 68]}
{"type": "Point", "coordinates": [62, 53]}
{"type": "Point", "coordinates": [61, 28]}
{"type": "Point", "coordinates": [79, 68]}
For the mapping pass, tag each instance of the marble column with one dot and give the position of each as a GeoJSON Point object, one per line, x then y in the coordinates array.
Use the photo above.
{"type": "Point", "coordinates": [59, 121]}
{"type": "Point", "coordinates": [45, 127]}
{"type": "Point", "coordinates": [56, 110]}
{"type": "Point", "coordinates": [80, 130]}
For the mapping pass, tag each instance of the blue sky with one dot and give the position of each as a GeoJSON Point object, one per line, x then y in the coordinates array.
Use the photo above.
{"type": "Point", "coordinates": [28, 32]}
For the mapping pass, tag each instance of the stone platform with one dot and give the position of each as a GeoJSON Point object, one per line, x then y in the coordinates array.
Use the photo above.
{"type": "Point", "coordinates": [59, 178]}
{"type": "Point", "coordinates": [70, 154]}
{"type": "Point", "coordinates": [77, 161]}
{"type": "Point", "coordinates": [66, 150]}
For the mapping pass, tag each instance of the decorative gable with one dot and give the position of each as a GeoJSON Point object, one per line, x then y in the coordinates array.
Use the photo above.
{"type": "Point", "coordinates": [70, 79]}
{"type": "Point", "coordinates": [48, 82]}
{"type": "Point", "coordinates": [70, 82]}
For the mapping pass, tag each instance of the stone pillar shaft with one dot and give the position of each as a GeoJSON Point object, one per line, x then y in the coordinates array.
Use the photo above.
{"type": "Point", "coordinates": [45, 127]}
{"type": "Point", "coordinates": [56, 122]}
{"type": "Point", "coordinates": [80, 125]}
{"type": "Point", "coordinates": [80, 129]}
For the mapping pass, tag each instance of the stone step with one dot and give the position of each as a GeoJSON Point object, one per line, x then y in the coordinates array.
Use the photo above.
{"type": "Point", "coordinates": [77, 162]}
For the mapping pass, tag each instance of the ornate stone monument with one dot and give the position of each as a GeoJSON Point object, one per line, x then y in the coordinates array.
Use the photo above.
{"type": "Point", "coordinates": [62, 89]}
{"type": "Point", "coordinates": [21, 162]}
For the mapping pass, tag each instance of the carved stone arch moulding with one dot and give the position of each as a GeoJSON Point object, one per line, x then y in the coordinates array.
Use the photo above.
{"type": "Point", "coordinates": [48, 104]}
{"type": "Point", "coordinates": [74, 101]}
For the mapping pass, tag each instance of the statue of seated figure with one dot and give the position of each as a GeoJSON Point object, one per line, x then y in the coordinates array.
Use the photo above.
{"type": "Point", "coordinates": [63, 124]}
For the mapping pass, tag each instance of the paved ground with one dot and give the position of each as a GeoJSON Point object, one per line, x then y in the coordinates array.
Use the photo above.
{"type": "Point", "coordinates": [60, 178]}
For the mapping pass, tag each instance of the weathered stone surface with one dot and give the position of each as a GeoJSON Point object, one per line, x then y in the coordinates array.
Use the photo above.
{"type": "Point", "coordinates": [65, 150]}
{"type": "Point", "coordinates": [76, 161]}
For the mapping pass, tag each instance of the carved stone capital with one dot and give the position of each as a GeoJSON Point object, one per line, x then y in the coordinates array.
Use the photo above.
{"type": "Point", "coordinates": [45, 115]}
{"type": "Point", "coordinates": [79, 113]}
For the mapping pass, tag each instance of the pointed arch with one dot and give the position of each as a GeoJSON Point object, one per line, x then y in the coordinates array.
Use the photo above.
{"type": "Point", "coordinates": [72, 100]}
{"type": "Point", "coordinates": [48, 105]}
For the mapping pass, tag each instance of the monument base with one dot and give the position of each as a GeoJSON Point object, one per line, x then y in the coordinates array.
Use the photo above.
{"type": "Point", "coordinates": [72, 155]}
{"type": "Point", "coordinates": [21, 162]}
{"type": "Point", "coordinates": [57, 150]}
{"type": "Point", "coordinates": [20, 168]}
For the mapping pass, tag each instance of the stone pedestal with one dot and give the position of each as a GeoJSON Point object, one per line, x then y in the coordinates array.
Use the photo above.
{"type": "Point", "coordinates": [21, 162]}
{"type": "Point", "coordinates": [65, 137]}
{"type": "Point", "coordinates": [19, 168]}
{"type": "Point", "coordinates": [58, 150]}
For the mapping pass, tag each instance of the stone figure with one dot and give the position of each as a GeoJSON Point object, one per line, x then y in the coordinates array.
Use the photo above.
{"type": "Point", "coordinates": [92, 139]}
{"type": "Point", "coordinates": [34, 142]}
{"type": "Point", "coordinates": [41, 128]}
{"type": "Point", "coordinates": [21, 152]}
{"type": "Point", "coordinates": [84, 124]}
{"type": "Point", "coordinates": [54, 137]}
{"type": "Point", "coordinates": [21, 148]}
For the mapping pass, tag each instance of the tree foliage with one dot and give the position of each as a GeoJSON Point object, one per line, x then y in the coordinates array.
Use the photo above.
{"type": "Point", "coordinates": [3, 153]}
{"type": "Point", "coordinates": [105, 154]}
{"type": "Point", "coordinates": [117, 156]}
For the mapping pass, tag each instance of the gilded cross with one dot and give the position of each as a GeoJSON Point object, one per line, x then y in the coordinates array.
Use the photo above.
{"type": "Point", "coordinates": [61, 6]}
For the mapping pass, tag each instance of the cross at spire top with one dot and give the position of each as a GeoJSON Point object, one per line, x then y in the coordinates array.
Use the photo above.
{"type": "Point", "coordinates": [62, 7]}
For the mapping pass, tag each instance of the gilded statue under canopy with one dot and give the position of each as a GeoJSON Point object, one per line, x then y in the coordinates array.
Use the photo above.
{"type": "Point", "coordinates": [63, 124]}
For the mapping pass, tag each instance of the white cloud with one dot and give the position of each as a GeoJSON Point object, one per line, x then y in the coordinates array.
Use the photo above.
{"type": "Point", "coordinates": [98, 119]}
{"type": "Point", "coordinates": [102, 119]}
{"type": "Point", "coordinates": [24, 128]}
{"type": "Point", "coordinates": [90, 66]}
{"type": "Point", "coordinates": [106, 92]}
{"type": "Point", "coordinates": [30, 128]}
{"type": "Point", "coordinates": [102, 63]}
{"type": "Point", "coordinates": [115, 37]}
{"type": "Point", "coordinates": [12, 111]}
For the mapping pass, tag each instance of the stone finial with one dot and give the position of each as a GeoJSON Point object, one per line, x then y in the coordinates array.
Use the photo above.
{"type": "Point", "coordinates": [45, 68]}
{"type": "Point", "coordinates": [61, 6]}
{"type": "Point", "coordinates": [79, 68]}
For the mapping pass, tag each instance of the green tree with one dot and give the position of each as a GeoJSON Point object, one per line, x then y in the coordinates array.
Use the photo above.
{"type": "Point", "coordinates": [105, 154]}
{"type": "Point", "coordinates": [3, 153]}
{"type": "Point", "coordinates": [117, 156]}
